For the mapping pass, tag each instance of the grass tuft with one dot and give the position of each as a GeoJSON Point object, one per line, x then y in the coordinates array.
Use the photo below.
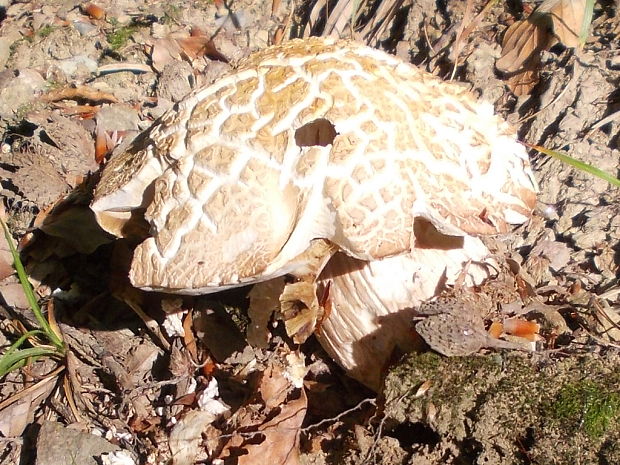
{"type": "Point", "coordinates": [45, 340]}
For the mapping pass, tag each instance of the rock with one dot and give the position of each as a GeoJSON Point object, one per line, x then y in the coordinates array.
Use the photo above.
{"type": "Point", "coordinates": [5, 50]}
{"type": "Point", "coordinates": [58, 444]}
{"type": "Point", "coordinates": [19, 91]}
{"type": "Point", "coordinates": [79, 65]}
{"type": "Point", "coordinates": [118, 117]}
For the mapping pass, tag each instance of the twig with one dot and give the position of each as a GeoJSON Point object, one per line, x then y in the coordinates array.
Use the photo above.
{"type": "Point", "coordinates": [369, 400]}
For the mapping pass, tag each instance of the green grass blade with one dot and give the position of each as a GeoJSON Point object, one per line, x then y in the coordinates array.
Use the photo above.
{"type": "Point", "coordinates": [14, 360]}
{"type": "Point", "coordinates": [30, 296]}
{"type": "Point", "coordinates": [584, 33]}
{"type": "Point", "coordinates": [578, 164]}
{"type": "Point", "coordinates": [17, 344]}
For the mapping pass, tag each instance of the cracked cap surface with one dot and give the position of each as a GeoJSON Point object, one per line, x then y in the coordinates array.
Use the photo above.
{"type": "Point", "coordinates": [315, 138]}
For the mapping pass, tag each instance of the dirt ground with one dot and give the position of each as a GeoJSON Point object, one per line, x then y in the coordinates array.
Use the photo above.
{"type": "Point", "coordinates": [139, 386]}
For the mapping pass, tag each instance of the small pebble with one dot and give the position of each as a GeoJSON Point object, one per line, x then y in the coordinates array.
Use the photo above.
{"type": "Point", "coordinates": [84, 28]}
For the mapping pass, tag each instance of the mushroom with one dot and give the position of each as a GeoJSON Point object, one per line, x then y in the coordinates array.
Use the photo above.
{"type": "Point", "coordinates": [310, 148]}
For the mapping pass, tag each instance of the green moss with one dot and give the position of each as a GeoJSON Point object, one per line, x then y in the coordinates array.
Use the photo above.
{"type": "Point", "coordinates": [587, 406]}
{"type": "Point", "coordinates": [23, 110]}
{"type": "Point", "coordinates": [45, 30]}
{"type": "Point", "coordinates": [119, 37]}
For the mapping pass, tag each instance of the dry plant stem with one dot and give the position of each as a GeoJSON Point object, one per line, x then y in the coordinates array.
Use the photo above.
{"type": "Point", "coordinates": [467, 28]}
{"type": "Point", "coordinates": [72, 386]}
{"type": "Point", "coordinates": [460, 36]}
{"type": "Point", "coordinates": [23, 393]}
{"type": "Point", "coordinates": [67, 387]}
{"type": "Point", "coordinates": [150, 324]}
{"type": "Point", "coordinates": [370, 400]}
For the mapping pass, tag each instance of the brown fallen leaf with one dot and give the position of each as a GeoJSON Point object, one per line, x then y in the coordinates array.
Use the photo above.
{"type": "Point", "coordinates": [563, 20]}
{"type": "Point", "coordinates": [186, 437]}
{"type": "Point", "coordinates": [281, 444]}
{"type": "Point", "coordinates": [6, 258]}
{"type": "Point", "coordinates": [267, 430]}
{"type": "Point", "coordinates": [523, 82]}
{"type": "Point", "coordinates": [18, 411]}
{"type": "Point", "coordinates": [94, 11]}
{"type": "Point", "coordinates": [568, 18]}
{"type": "Point", "coordinates": [77, 227]}
{"type": "Point", "coordinates": [164, 51]}
{"type": "Point", "coordinates": [83, 111]}
{"type": "Point", "coordinates": [521, 47]}
{"type": "Point", "coordinates": [522, 41]}
{"type": "Point", "coordinates": [200, 46]}
{"type": "Point", "coordinates": [101, 146]}
{"type": "Point", "coordinates": [264, 300]}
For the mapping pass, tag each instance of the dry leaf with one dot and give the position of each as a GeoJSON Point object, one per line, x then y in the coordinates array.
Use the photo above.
{"type": "Point", "coordinates": [201, 46]}
{"type": "Point", "coordinates": [101, 146]}
{"type": "Point", "coordinates": [522, 328]}
{"type": "Point", "coordinates": [15, 416]}
{"type": "Point", "coordinates": [77, 227]}
{"type": "Point", "coordinates": [568, 19]}
{"type": "Point", "coordinates": [300, 310]}
{"type": "Point", "coordinates": [558, 253]}
{"type": "Point", "coordinates": [186, 437]}
{"type": "Point", "coordinates": [12, 293]}
{"type": "Point", "coordinates": [522, 41]}
{"type": "Point", "coordinates": [94, 11]}
{"type": "Point", "coordinates": [264, 299]}
{"type": "Point", "coordinates": [6, 259]}
{"type": "Point", "coordinates": [521, 47]}
{"type": "Point", "coordinates": [164, 51]}
{"type": "Point", "coordinates": [267, 431]}
{"type": "Point", "coordinates": [607, 322]}
{"type": "Point", "coordinates": [281, 443]}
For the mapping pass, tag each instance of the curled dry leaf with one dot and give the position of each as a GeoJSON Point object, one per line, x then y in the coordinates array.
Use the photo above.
{"type": "Point", "coordinates": [522, 328]}
{"type": "Point", "coordinates": [521, 47]}
{"type": "Point", "coordinates": [94, 11]}
{"type": "Point", "coordinates": [564, 20]}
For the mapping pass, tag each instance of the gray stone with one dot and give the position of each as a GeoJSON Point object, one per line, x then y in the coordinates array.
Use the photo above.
{"type": "Point", "coordinates": [57, 444]}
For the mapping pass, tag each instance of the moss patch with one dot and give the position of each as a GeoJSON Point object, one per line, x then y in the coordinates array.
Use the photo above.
{"type": "Point", "coordinates": [586, 406]}
{"type": "Point", "coordinates": [119, 37]}
{"type": "Point", "coordinates": [507, 408]}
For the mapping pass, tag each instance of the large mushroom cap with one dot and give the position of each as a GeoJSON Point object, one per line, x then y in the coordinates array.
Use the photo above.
{"type": "Point", "coordinates": [315, 138]}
